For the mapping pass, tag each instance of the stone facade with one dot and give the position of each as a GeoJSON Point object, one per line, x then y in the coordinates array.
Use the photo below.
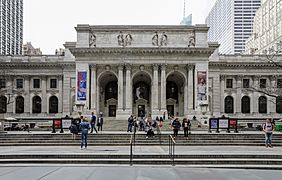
{"type": "Point", "coordinates": [123, 70]}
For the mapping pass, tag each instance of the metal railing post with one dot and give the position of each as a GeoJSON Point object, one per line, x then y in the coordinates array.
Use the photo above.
{"type": "Point", "coordinates": [131, 152]}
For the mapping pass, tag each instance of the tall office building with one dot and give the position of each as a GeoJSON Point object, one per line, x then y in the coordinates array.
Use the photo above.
{"type": "Point", "coordinates": [11, 26]}
{"type": "Point", "coordinates": [231, 23]}
{"type": "Point", "coordinates": [267, 29]}
{"type": "Point", "coordinates": [187, 20]}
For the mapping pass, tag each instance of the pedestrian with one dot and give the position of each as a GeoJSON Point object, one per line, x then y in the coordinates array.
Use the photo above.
{"type": "Point", "coordinates": [185, 125]}
{"type": "Point", "coordinates": [74, 128]}
{"type": "Point", "coordinates": [268, 128]}
{"type": "Point", "coordinates": [93, 123]}
{"type": "Point", "coordinates": [176, 126]}
{"type": "Point", "coordinates": [84, 126]}
{"type": "Point", "coordinates": [161, 122]}
{"type": "Point", "coordinates": [129, 123]}
{"type": "Point", "coordinates": [164, 116]}
{"type": "Point", "coordinates": [150, 131]}
{"type": "Point", "coordinates": [100, 122]}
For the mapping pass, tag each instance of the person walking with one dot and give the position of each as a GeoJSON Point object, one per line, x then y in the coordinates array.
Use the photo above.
{"type": "Point", "coordinates": [84, 126]}
{"type": "Point", "coordinates": [185, 125]}
{"type": "Point", "coordinates": [176, 126]}
{"type": "Point", "coordinates": [268, 128]}
{"type": "Point", "coordinates": [74, 128]}
{"type": "Point", "coordinates": [129, 123]}
{"type": "Point", "coordinates": [93, 123]}
{"type": "Point", "coordinates": [100, 122]}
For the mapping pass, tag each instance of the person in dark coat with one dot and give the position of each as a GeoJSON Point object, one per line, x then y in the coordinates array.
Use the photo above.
{"type": "Point", "coordinates": [93, 123]}
{"type": "Point", "coordinates": [84, 126]}
{"type": "Point", "coordinates": [176, 126]}
{"type": "Point", "coordinates": [74, 128]}
{"type": "Point", "coordinates": [100, 122]}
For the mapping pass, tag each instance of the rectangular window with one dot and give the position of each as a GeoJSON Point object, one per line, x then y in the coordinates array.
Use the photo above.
{"type": "Point", "coordinates": [2, 83]}
{"type": "Point", "coordinates": [19, 83]}
{"type": "Point", "coordinates": [229, 83]}
{"type": "Point", "coordinates": [36, 83]}
{"type": "Point", "coordinates": [53, 83]}
{"type": "Point", "coordinates": [279, 83]}
{"type": "Point", "coordinates": [246, 83]}
{"type": "Point", "coordinates": [262, 83]}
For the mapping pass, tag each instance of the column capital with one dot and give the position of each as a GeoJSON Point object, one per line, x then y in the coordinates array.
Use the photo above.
{"type": "Point", "coordinates": [163, 66]}
{"type": "Point", "coordinates": [93, 66]}
{"type": "Point", "coordinates": [128, 66]}
{"type": "Point", "coordinates": [222, 77]}
{"type": "Point", "coordinates": [273, 77]}
{"type": "Point", "coordinates": [120, 66]}
{"type": "Point", "coordinates": [239, 77]}
{"type": "Point", "coordinates": [155, 67]}
{"type": "Point", "coordinates": [189, 67]}
{"type": "Point", "coordinates": [256, 77]}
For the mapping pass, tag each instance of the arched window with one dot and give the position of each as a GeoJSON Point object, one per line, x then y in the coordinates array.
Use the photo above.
{"type": "Point", "coordinates": [111, 90]}
{"type": "Point", "coordinates": [262, 104]}
{"type": "Point", "coordinates": [229, 104]}
{"type": "Point", "coordinates": [171, 90]}
{"type": "Point", "coordinates": [245, 104]}
{"type": "Point", "coordinates": [3, 104]}
{"type": "Point", "coordinates": [36, 104]}
{"type": "Point", "coordinates": [279, 104]}
{"type": "Point", "coordinates": [19, 104]}
{"type": "Point", "coordinates": [53, 104]}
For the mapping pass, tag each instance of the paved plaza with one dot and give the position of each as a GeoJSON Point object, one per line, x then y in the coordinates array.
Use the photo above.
{"type": "Point", "coordinates": [132, 173]}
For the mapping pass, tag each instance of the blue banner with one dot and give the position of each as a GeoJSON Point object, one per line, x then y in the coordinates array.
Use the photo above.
{"type": "Point", "coordinates": [81, 86]}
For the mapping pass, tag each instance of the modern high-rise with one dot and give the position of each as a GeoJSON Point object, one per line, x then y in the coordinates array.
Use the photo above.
{"type": "Point", "coordinates": [187, 20]}
{"type": "Point", "coordinates": [231, 24]}
{"type": "Point", "coordinates": [11, 27]}
{"type": "Point", "coordinates": [267, 29]}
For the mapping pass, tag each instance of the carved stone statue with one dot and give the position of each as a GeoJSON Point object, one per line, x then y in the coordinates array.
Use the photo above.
{"type": "Point", "coordinates": [191, 41]}
{"type": "Point", "coordinates": [92, 39]}
{"type": "Point", "coordinates": [163, 39]}
{"type": "Point", "coordinates": [128, 39]}
{"type": "Point", "coordinates": [120, 39]}
{"type": "Point", "coordinates": [155, 39]}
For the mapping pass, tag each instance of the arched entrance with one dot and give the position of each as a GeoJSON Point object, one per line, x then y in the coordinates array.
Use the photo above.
{"type": "Point", "coordinates": [175, 83]}
{"type": "Point", "coordinates": [141, 94]}
{"type": "Point", "coordinates": [108, 99]}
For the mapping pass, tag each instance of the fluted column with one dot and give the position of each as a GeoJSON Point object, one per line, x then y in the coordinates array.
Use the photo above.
{"type": "Point", "coordinates": [155, 88]}
{"type": "Point", "coordinates": [93, 87]}
{"type": "Point", "coordinates": [271, 103]}
{"type": "Point", "coordinates": [44, 94]}
{"type": "Point", "coordinates": [60, 86]}
{"type": "Point", "coordinates": [128, 88]}
{"type": "Point", "coordinates": [222, 82]}
{"type": "Point", "coordinates": [190, 88]}
{"type": "Point", "coordinates": [10, 97]}
{"type": "Point", "coordinates": [238, 93]}
{"type": "Point", "coordinates": [163, 87]}
{"type": "Point", "coordinates": [27, 94]}
{"type": "Point", "coordinates": [255, 95]}
{"type": "Point", "coordinates": [120, 88]}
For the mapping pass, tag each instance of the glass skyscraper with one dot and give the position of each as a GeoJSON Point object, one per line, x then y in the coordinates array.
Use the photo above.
{"type": "Point", "coordinates": [231, 23]}
{"type": "Point", "coordinates": [11, 27]}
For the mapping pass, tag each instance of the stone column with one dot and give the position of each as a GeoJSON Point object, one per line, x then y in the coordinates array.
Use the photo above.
{"type": "Point", "coordinates": [190, 89]}
{"type": "Point", "coordinates": [10, 98]}
{"type": "Point", "coordinates": [163, 88]}
{"type": "Point", "coordinates": [238, 93]}
{"type": "Point", "coordinates": [44, 102]}
{"type": "Point", "coordinates": [120, 88]}
{"type": "Point", "coordinates": [60, 86]}
{"type": "Point", "coordinates": [255, 95]}
{"type": "Point", "coordinates": [27, 94]}
{"type": "Point", "coordinates": [93, 87]}
{"type": "Point", "coordinates": [271, 103]}
{"type": "Point", "coordinates": [128, 90]}
{"type": "Point", "coordinates": [67, 93]}
{"type": "Point", "coordinates": [222, 82]}
{"type": "Point", "coordinates": [186, 93]}
{"type": "Point", "coordinates": [155, 89]}
{"type": "Point", "coordinates": [216, 94]}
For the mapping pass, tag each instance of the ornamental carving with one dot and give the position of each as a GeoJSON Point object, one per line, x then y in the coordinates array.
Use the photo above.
{"type": "Point", "coordinates": [191, 40]}
{"type": "Point", "coordinates": [124, 40]}
{"type": "Point", "coordinates": [92, 39]}
{"type": "Point", "coordinates": [159, 40]}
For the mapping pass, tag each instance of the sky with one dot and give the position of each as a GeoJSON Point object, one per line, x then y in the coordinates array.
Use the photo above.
{"type": "Point", "coordinates": [48, 24]}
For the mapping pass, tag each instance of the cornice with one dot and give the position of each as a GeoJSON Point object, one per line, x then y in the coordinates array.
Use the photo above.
{"type": "Point", "coordinates": [84, 52]}
{"type": "Point", "coordinates": [239, 64]}
{"type": "Point", "coordinates": [36, 64]}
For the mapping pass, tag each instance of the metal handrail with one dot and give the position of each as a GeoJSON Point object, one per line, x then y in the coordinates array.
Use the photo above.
{"type": "Point", "coordinates": [171, 149]}
{"type": "Point", "coordinates": [131, 150]}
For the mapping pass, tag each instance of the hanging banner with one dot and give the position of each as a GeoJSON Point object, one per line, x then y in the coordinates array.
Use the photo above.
{"type": "Point", "coordinates": [202, 86]}
{"type": "Point", "coordinates": [81, 86]}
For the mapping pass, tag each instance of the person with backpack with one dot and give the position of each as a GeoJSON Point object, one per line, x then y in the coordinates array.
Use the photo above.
{"type": "Point", "coordinates": [84, 126]}
{"type": "Point", "coordinates": [268, 128]}
{"type": "Point", "coordinates": [93, 123]}
{"type": "Point", "coordinates": [176, 126]}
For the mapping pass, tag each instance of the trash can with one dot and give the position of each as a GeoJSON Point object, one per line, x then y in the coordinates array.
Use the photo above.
{"type": "Point", "coordinates": [278, 127]}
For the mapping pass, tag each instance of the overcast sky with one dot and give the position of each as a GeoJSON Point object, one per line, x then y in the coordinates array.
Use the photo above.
{"type": "Point", "coordinates": [48, 24]}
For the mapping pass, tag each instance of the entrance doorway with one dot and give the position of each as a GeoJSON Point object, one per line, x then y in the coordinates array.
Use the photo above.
{"type": "Point", "coordinates": [141, 110]}
{"type": "Point", "coordinates": [112, 110]}
{"type": "Point", "coordinates": [170, 110]}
